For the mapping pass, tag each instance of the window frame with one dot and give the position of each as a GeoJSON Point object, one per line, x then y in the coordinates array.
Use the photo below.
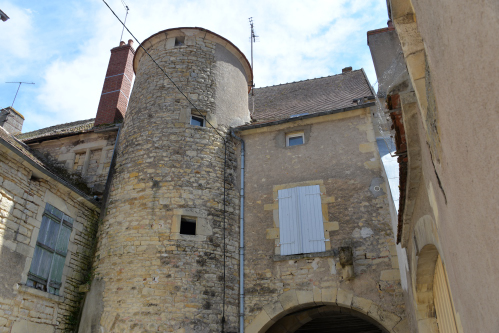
{"type": "Point", "coordinates": [203, 120]}
{"type": "Point", "coordinates": [50, 285]}
{"type": "Point", "coordinates": [295, 135]}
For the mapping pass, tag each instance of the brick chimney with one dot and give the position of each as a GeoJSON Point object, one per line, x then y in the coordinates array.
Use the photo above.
{"type": "Point", "coordinates": [117, 85]}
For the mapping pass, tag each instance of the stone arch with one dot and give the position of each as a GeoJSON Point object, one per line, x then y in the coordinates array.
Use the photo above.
{"type": "Point", "coordinates": [427, 250]}
{"type": "Point", "coordinates": [330, 299]}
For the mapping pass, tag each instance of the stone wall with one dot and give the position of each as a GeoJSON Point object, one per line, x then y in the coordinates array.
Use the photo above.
{"type": "Point", "coordinates": [23, 198]}
{"type": "Point", "coordinates": [87, 154]}
{"type": "Point", "coordinates": [339, 155]}
{"type": "Point", "coordinates": [149, 276]}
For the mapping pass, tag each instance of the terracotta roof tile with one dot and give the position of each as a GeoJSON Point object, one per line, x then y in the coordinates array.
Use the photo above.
{"type": "Point", "coordinates": [310, 96]}
{"type": "Point", "coordinates": [74, 127]}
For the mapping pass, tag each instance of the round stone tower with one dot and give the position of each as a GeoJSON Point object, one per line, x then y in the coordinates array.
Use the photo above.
{"type": "Point", "coordinates": [159, 262]}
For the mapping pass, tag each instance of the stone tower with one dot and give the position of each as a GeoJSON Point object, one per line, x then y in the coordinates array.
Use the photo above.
{"type": "Point", "coordinates": [159, 262]}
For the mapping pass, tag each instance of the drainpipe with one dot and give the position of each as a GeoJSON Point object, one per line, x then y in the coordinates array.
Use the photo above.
{"type": "Point", "coordinates": [241, 241]}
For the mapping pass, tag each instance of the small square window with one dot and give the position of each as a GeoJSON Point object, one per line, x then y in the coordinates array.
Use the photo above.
{"type": "Point", "coordinates": [295, 139]}
{"type": "Point", "coordinates": [179, 41]}
{"type": "Point", "coordinates": [187, 225]}
{"type": "Point", "coordinates": [197, 121]}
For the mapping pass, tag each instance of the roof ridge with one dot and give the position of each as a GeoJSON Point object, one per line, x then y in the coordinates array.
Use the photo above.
{"type": "Point", "coordinates": [59, 125]}
{"type": "Point", "coordinates": [316, 78]}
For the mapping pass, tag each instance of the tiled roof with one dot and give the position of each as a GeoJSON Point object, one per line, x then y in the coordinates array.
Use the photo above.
{"type": "Point", "coordinates": [23, 150]}
{"type": "Point", "coordinates": [75, 127]}
{"type": "Point", "coordinates": [20, 146]}
{"type": "Point", "coordinates": [310, 96]}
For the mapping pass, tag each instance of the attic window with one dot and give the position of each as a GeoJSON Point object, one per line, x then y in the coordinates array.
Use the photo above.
{"type": "Point", "coordinates": [179, 41]}
{"type": "Point", "coordinates": [295, 139]}
{"type": "Point", "coordinates": [188, 225]}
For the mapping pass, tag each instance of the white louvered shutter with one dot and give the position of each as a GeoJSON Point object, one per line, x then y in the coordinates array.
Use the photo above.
{"type": "Point", "coordinates": [289, 224]}
{"type": "Point", "coordinates": [312, 227]}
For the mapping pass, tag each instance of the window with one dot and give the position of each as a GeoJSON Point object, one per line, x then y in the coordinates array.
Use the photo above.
{"type": "Point", "coordinates": [301, 228]}
{"type": "Point", "coordinates": [50, 252]}
{"type": "Point", "coordinates": [179, 41]}
{"type": "Point", "coordinates": [295, 139]}
{"type": "Point", "coordinates": [197, 121]}
{"type": "Point", "coordinates": [188, 225]}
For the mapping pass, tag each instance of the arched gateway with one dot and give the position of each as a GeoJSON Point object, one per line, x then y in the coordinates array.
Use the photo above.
{"type": "Point", "coordinates": [324, 310]}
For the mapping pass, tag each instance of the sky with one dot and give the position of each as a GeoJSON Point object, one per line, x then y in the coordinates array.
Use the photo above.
{"type": "Point", "coordinates": [64, 46]}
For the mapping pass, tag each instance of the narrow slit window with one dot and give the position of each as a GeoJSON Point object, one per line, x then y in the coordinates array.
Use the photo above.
{"type": "Point", "coordinates": [197, 121]}
{"type": "Point", "coordinates": [179, 41]}
{"type": "Point", "coordinates": [187, 225]}
{"type": "Point", "coordinates": [295, 139]}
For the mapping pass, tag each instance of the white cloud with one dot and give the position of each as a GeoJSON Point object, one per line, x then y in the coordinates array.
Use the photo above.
{"type": "Point", "coordinates": [298, 40]}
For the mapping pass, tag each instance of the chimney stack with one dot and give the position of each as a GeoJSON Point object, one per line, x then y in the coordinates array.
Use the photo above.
{"type": "Point", "coordinates": [11, 120]}
{"type": "Point", "coordinates": [346, 69]}
{"type": "Point", "coordinates": [117, 85]}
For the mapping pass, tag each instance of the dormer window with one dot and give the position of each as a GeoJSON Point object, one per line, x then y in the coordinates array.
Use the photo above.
{"type": "Point", "coordinates": [295, 139]}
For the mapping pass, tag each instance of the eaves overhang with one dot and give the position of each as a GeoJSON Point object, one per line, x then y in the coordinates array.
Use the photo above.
{"type": "Point", "coordinates": [312, 115]}
{"type": "Point", "coordinates": [49, 174]}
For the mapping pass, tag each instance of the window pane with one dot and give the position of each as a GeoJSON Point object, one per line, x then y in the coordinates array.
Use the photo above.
{"type": "Point", "coordinates": [62, 242]}
{"type": "Point", "coordinates": [57, 267]}
{"type": "Point", "coordinates": [197, 121]}
{"type": "Point", "coordinates": [295, 140]}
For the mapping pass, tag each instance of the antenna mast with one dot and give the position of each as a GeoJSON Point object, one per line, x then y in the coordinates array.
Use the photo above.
{"type": "Point", "coordinates": [18, 90]}
{"type": "Point", "coordinates": [253, 40]}
{"type": "Point", "coordinates": [127, 9]}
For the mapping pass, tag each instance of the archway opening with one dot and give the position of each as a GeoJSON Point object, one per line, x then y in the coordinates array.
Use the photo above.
{"type": "Point", "coordinates": [326, 319]}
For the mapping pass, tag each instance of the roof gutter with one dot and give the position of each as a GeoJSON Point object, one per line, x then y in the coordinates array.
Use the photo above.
{"type": "Point", "coordinates": [48, 173]}
{"type": "Point", "coordinates": [313, 115]}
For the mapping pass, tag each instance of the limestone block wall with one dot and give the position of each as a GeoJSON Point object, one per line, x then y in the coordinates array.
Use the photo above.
{"type": "Point", "coordinates": [339, 155]}
{"type": "Point", "coordinates": [22, 202]}
{"type": "Point", "coordinates": [149, 276]}
{"type": "Point", "coordinates": [88, 154]}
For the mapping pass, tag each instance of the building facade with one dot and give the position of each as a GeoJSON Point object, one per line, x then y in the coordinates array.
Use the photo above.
{"type": "Point", "coordinates": [447, 212]}
{"type": "Point", "coordinates": [212, 219]}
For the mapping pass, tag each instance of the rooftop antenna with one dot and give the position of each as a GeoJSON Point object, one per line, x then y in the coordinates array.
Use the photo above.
{"type": "Point", "coordinates": [18, 90]}
{"type": "Point", "coordinates": [253, 40]}
{"type": "Point", "coordinates": [127, 9]}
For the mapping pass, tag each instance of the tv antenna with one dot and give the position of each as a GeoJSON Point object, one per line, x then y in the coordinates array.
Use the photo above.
{"type": "Point", "coordinates": [253, 40]}
{"type": "Point", "coordinates": [127, 9]}
{"type": "Point", "coordinates": [18, 90]}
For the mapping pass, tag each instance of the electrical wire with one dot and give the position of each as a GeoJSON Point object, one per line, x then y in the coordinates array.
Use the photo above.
{"type": "Point", "coordinates": [225, 158]}
{"type": "Point", "coordinates": [164, 72]}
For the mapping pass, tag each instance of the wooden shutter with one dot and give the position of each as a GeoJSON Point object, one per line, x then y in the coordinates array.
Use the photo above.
{"type": "Point", "coordinates": [312, 224]}
{"type": "Point", "coordinates": [443, 303]}
{"type": "Point", "coordinates": [288, 221]}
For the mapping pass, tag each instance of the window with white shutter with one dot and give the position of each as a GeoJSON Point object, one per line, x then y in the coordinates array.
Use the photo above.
{"type": "Point", "coordinates": [301, 227]}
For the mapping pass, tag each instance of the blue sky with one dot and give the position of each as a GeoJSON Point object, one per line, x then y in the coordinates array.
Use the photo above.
{"type": "Point", "coordinates": [63, 46]}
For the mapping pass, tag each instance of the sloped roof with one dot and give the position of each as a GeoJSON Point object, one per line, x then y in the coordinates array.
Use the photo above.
{"type": "Point", "coordinates": [74, 127]}
{"type": "Point", "coordinates": [23, 150]}
{"type": "Point", "coordinates": [19, 146]}
{"type": "Point", "coordinates": [310, 96]}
